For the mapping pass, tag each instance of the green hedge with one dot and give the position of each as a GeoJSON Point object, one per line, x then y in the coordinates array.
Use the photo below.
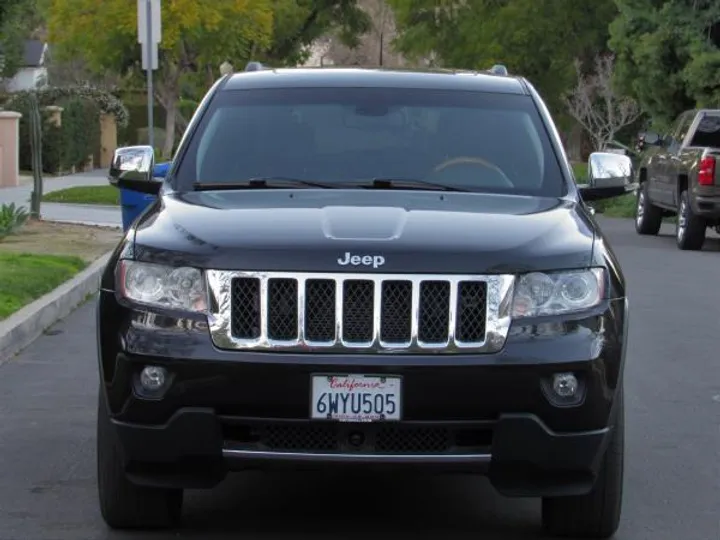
{"type": "Point", "coordinates": [136, 130]}
{"type": "Point", "coordinates": [138, 120]}
{"type": "Point", "coordinates": [81, 132]}
{"type": "Point", "coordinates": [67, 146]}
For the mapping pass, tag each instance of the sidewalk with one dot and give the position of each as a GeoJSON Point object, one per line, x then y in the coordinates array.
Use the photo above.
{"type": "Point", "coordinates": [73, 213]}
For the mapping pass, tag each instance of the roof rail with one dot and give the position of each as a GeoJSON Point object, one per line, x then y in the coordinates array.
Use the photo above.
{"type": "Point", "coordinates": [255, 66]}
{"type": "Point", "coordinates": [498, 69]}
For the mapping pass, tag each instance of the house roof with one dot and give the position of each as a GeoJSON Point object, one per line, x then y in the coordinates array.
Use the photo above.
{"type": "Point", "coordinates": [33, 53]}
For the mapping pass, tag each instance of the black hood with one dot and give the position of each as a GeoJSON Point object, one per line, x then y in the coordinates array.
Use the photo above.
{"type": "Point", "coordinates": [412, 231]}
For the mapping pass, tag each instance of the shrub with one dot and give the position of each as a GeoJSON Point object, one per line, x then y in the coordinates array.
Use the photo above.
{"type": "Point", "coordinates": [80, 132]}
{"type": "Point", "coordinates": [11, 219]}
{"type": "Point", "coordinates": [67, 146]}
{"type": "Point", "coordinates": [78, 138]}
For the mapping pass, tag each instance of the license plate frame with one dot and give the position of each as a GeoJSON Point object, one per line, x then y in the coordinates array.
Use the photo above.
{"type": "Point", "coordinates": [372, 378]}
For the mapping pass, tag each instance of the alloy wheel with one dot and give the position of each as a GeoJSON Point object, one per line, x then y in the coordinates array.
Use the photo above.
{"type": "Point", "coordinates": [682, 220]}
{"type": "Point", "coordinates": [640, 210]}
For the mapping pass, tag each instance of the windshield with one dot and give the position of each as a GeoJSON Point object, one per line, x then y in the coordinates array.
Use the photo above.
{"type": "Point", "coordinates": [469, 140]}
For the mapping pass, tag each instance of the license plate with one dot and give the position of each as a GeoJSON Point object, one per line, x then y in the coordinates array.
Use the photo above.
{"type": "Point", "coordinates": [355, 398]}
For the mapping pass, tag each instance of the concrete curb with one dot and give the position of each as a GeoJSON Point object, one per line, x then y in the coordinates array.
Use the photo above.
{"type": "Point", "coordinates": [111, 207]}
{"type": "Point", "coordinates": [99, 224]}
{"type": "Point", "coordinates": [26, 325]}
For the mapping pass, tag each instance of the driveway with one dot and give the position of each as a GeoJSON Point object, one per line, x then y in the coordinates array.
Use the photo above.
{"type": "Point", "coordinates": [47, 413]}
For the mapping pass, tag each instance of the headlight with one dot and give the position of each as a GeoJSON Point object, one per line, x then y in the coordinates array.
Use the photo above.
{"type": "Point", "coordinates": [555, 293]}
{"type": "Point", "coordinates": [163, 286]}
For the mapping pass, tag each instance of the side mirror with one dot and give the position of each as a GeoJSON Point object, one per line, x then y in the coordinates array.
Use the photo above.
{"type": "Point", "coordinates": [609, 175]}
{"type": "Point", "coordinates": [132, 169]}
{"type": "Point", "coordinates": [650, 138]}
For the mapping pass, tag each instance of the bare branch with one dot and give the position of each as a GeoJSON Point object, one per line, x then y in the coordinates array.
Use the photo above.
{"type": "Point", "coordinates": [597, 107]}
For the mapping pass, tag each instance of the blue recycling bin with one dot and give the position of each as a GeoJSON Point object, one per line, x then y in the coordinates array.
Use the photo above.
{"type": "Point", "coordinates": [133, 203]}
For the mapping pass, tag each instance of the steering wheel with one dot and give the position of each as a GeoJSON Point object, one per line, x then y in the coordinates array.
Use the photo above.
{"type": "Point", "coordinates": [465, 160]}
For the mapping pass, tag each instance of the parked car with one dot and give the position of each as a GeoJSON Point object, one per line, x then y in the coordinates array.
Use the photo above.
{"type": "Point", "coordinates": [365, 268]}
{"type": "Point", "coordinates": [679, 175]}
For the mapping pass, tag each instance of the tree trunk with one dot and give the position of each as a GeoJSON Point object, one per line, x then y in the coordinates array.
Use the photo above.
{"type": "Point", "coordinates": [36, 151]}
{"type": "Point", "coordinates": [170, 111]}
{"type": "Point", "coordinates": [182, 122]}
{"type": "Point", "coordinates": [168, 94]}
{"type": "Point", "coordinates": [574, 143]}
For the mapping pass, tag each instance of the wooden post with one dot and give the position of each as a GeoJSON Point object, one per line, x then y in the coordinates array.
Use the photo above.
{"type": "Point", "coordinates": [9, 148]}
{"type": "Point", "coordinates": [108, 139]}
{"type": "Point", "coordinates": [55, 114]}
{"type": "Point", "coordinates": [36, 151]}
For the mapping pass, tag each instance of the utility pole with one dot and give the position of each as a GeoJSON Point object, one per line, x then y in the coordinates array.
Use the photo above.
{"type": "Point", "coordinates": [149, 37]}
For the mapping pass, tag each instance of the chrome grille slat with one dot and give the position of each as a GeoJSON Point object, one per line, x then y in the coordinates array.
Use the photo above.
{"type": "Point", "coordinates": [453, 311]}
{"type": "Point", "coordinates": [339, 294]}
{"type": "Point", "coordinates": [263, 307]}
{"type": "Point", "coordinates": [436, 311]}
{"type": "Point", "coordinates": [415, 318]}
{"type": "Point", "coordinates": [377, 310]}
{"type": "Point", "coordinates": [301, 310]}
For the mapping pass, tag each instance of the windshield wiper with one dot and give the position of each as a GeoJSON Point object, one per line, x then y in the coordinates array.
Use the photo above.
{"type": "Point", "coordinates": [270, 182]}
{"type": "Point", "coordinates": [262, 182]}
{"type": "Point", "coordinates": [401, 183]}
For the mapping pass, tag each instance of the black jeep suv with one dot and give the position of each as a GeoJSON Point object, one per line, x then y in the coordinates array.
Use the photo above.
{"type": "Point", "coordinates": [365, 268]}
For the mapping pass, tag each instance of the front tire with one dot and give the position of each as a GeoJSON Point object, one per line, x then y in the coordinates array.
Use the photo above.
{"type": "Point", "coordinates": [596, 514]}
{"type": "Point", "coordinates": [124, 505]}
{"type": "Point", "coordinates": [689, 229]}
{"type": "Point", "coordinates": [648, 217]}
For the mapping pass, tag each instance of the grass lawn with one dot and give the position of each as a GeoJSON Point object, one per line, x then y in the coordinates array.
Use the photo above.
{"type": "Point", "coordinates": [619, 207]}
{"type": "Point", "coordinates": [580, 169]}
{"type": "Point", "coordinates": [107, 195]}
{"type": "Point", "coordinates": [25, 277]}
{"type": "Point", "coordinates": [43, 255]}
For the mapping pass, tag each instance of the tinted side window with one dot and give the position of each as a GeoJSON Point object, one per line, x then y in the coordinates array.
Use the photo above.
{"type": "Point", "coordinates": [707, 133]}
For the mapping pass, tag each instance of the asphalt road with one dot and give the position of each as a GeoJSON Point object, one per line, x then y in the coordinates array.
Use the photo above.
{"type": "Point", "coordinates": [47, 423]}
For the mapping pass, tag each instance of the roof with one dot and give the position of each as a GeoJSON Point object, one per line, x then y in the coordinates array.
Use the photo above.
{"type": "Point", "coordinates": [33, 53]}
{"type": "Point", "coordinates": [375, 78]}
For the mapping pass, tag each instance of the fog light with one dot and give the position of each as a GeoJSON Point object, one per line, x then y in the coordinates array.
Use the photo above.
{"type": "Point", "coordinates": [152, 378]}
{"type": "Point", "coordinates": [565, 385]}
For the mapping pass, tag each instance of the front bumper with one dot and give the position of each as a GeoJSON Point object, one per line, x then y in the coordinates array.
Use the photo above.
{"type": "Point", "coordinates": [521, 456]}
{"type": "Point", "coordinates": [491, 413]}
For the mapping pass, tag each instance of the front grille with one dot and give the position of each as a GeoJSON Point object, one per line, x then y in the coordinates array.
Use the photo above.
{"type": "Point", "coordinates": [367, 438]}
{"type": "Point", "coordinates": [276, 307]}
{"type": "Point", "coordinates": [358, 312]}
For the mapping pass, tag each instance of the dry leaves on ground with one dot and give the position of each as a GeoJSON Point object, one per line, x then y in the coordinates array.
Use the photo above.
{"type": "Point", "coordinates": [44, 237]}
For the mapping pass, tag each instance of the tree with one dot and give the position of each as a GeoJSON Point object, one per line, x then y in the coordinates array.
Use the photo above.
{"type": "Point", "coordinates": [374, 47]}
{"type": "Point", "coordinates": [18, 18]}
{"type": "Point", "coordinates": [198, 35]}
{"type": "Point", "coordinates": [299, 23]}
{"type": "Point", "coordinates": [382, 25]}
{"type": "Point", "coordinates": [536, 39]}
{"type": "Point", "coordinates": [596, 105]}
{"type": "Point", "coordinates": [668, 54]}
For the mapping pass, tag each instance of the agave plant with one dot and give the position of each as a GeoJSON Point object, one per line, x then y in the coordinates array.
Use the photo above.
{"type": "Point", "coordinates": [11, 219]}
